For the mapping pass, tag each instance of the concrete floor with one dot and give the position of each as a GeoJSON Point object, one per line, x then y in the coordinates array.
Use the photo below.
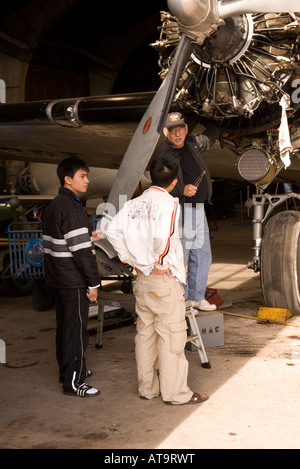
{"type": "Point", "coordinates": [253, 383]}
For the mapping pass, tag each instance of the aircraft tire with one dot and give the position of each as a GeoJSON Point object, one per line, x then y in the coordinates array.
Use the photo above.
{"type": "Point", "coordinates": [280, 262]}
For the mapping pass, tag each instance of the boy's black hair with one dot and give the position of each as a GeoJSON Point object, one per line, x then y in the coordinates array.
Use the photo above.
{"type": "Point", "coordinates": [68, 167]}
{"type": "Point", "coordinates": [163, 171]}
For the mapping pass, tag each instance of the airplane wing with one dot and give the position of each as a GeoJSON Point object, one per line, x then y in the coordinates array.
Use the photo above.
{"type": "Point", "coordinates": [96, 129]}
{"type": "Point", "coordinates": [99, 133]}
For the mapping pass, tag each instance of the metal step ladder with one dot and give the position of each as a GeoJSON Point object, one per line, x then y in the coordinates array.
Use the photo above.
{"type": "Point", "coordinates": [110, 298]}
{"type": "Point", "coordinates": [195, 336]}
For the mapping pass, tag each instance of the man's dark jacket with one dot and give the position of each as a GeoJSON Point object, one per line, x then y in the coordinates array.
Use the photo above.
{"type": "Point", "coordinates": [197, 144]}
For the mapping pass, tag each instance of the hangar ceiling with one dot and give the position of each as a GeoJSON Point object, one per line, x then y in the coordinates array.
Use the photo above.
{"type": "Point", "coordinates": [67, 48]}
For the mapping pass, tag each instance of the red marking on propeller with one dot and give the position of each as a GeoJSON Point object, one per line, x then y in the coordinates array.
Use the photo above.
{"type": "Point", "coordinates": [147, 125]}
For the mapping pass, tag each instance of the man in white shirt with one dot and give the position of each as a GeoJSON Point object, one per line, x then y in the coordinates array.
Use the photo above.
{"type": "Point", "coordinates": [145, 235]}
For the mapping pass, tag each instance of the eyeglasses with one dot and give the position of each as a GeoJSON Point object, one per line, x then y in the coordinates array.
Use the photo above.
{"type": "Point", "coordinates": [175, 130]}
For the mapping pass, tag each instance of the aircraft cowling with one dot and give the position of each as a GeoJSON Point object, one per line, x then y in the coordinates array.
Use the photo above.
{"type": "Point", "coordinates": [238, 76]}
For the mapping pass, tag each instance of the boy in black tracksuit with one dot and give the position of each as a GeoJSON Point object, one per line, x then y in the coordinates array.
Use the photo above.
{"type": "Point", "coordinates": [72, 274]}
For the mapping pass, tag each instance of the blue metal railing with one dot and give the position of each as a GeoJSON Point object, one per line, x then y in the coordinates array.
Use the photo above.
{"type": "Point", "coordinates": [26, 250]}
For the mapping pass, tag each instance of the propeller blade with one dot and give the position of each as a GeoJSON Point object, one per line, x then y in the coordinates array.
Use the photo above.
{"type": "Point", "coordinates": [146, 136]}
{"type": "Point", "coordinates": [239, 7]}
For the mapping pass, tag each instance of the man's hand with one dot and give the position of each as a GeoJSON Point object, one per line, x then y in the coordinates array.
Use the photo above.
{"type": "Point", "coordinates": [92, 294]}
{"type": "Point", "coordinates": [156, 271]}
{"type": "Point", "coordinates": [190, 190]}
{"type": "Point", "coordinates": [97, 234]}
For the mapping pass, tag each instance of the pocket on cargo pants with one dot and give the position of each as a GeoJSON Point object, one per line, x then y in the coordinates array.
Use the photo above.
{"type": "Point", "coordinates": [178, 336]}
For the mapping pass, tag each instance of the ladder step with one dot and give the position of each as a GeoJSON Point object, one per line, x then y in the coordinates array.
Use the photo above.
{"type": "Point", "coordinates": [195, 336]}
{"type": "Point", "coordinates": [192, 337]}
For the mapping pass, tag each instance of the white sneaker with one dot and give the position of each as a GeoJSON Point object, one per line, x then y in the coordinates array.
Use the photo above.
{"type": "Point", "coordinates": [203, 305]}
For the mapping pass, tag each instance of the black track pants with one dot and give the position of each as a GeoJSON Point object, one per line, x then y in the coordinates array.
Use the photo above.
{"type": "Point", "coordinates": [72, 309]}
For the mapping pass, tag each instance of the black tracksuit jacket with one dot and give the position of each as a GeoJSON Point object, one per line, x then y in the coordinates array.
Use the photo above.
{"type": "Point", "coordinates": [69, 254]}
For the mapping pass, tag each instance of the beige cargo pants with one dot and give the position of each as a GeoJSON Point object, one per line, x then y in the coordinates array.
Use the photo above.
{"type": "Point", "coordinates": [161, 337]}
